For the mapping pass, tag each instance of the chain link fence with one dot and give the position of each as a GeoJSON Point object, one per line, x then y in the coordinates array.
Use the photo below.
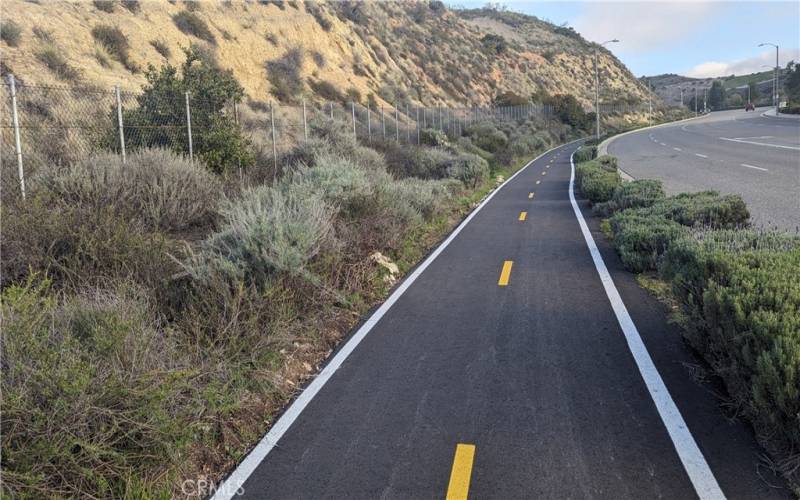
{"type": "Point", "coordinates": [53, 126]}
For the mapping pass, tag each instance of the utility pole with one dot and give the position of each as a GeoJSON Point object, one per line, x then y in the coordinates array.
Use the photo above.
{"type": "Point", "coordinates": [681, 96]}
{"type": "Point", "coordinates": [597, 88]}
{"type": "Point", "coordinates": [649, 102]}
{"type": "Point", "coordinates": [695, 101]}
{"type": "Point", "coordinates": [705, 101]}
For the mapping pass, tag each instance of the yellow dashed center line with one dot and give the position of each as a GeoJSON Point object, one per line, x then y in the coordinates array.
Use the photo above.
{"type": "Point", "coordinates": [461, 473]}
{"type": "Point", "coordinates": [523, 215]}
{"type": "Point", "coordinates": [530, 196]}
{"type": "Point", "coordinates": [505, 274]}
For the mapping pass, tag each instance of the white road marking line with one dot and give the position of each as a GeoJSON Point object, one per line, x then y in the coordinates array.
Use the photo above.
{"type": "Point", "coordinates": [229, 487]}
{"type": "Point", "coordinates": [677, 149]}
{"type": "Point", "coordinates": [662, 143]}
{"type": "Point", "coordinates": [761, 143]}
{"type": "Point", "coordinates": [753, 166]}
{"type": "Point", "coordinates": [759, 137]}
{"type": "Point", "coordinates": [701, 156]}
{"type": "Point", "coordinates": [700, 474]}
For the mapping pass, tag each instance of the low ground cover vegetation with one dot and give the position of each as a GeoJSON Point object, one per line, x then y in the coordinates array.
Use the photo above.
{"type": "Point", "coordinates": [738, 289]}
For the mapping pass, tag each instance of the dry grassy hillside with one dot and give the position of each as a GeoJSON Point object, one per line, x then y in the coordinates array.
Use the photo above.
{"type": "Point", "coordinates": [370, 52]}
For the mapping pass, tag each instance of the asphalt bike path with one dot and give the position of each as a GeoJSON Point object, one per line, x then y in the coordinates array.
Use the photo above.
{"type": "Point", "coordinates": [499, 369]}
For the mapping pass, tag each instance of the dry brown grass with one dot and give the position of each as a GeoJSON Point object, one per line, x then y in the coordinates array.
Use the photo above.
{"type": "Point", "coordinates": [384, 49]}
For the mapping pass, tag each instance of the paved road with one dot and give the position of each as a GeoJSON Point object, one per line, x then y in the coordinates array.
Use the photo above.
{"type": "Point", "coordinates": [510, 381]}
{"type": "Point", "coordinates": [730, 151]}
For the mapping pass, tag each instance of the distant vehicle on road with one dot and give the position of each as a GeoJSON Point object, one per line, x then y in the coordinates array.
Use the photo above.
{"type": "Point", "coordinates": [749, 107]}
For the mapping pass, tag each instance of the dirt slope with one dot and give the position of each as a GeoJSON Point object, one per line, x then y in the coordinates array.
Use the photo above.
{"type": "Point", "coordinates": [420, 52]}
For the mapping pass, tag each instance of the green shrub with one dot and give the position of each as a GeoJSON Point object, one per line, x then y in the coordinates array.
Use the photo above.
{"type": "Point", "coordinates": [705, 208]}
{"type": "Point", "coordinates": [331, 138]}
{"type": "Point", "coordinates": [80, 245]}
{"type": "Point", "coordinates": [413, 200]}
{"type": "Point", "coordinates": [10, 32]}
{"type": "Point", "coordinates": [596, 182]}
{"type": "Point", "coordinates": [487, 137]}
{"type": "Point", "coordinates": [162, 48]}
{"type": "Point", "coordinates": [433, 137]}
{"type": "Point", "coordinates": [116, 43]}
{"type": "Point", "coordinates": [86, 403]}
{"type": "Point", "coordinates": [133, 6]}
{"type": "Point", "coordinates": [216, 138]}
{"type": "Point", "coordinates": [608, 163]}
{"type": "Point", "coordinates": [524, 144]}
{"type": "Point", "coordinates": [190, 24]}
{"type": "Point", "coordinates": [640, 241]}
{"type": "Point", "coordinates": [284, 74]}
{"type": "Point", "coordinates": [585, 153]}
{"type": "Point", "coordinates": [314, 9]}
{"type": "Point", "coordinates": [267, 232]}
{"type": "Point", "coordinates": [104, 5]}
{"type": "Point", "coordinates": [326, 90]}
{"type": "Point", "coordinates": [465, 144]}
{"type": "Point", "coordinates": [338, 181]}
{"type": "Point", "coordinates": [743, 306]}
{"type": "Point", "coordinates": [156, 186]}
{"type": "Point", "coordinates": [469, 169]}
{"type": "Point", "coordinates": [635, 194]}
{"type": "Point", "coordinates": [51, 57]}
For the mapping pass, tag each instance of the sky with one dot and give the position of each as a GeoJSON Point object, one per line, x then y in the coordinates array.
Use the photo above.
{"type": "Point", "coordinates": [691, 38]}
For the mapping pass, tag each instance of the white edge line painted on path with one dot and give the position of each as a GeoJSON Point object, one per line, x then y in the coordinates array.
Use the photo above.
{"type": "Point", "coordinates": [677, 149]}
{"type": "Point", "coordinates": [229, 487]}
{"type": "Point", "coordinates": [761, 143]}
{"type": "Point", "coordinates": [701, 156]}
{"type": "Point", "coordinates": [703, 480]}
{"type": "Point", "coordinates": [753, 166]}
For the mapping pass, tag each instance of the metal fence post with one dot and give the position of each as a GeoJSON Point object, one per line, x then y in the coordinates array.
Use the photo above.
{"type": "Point", "coordinates": [369, 123]}
{"type": "Point", "coordinates": [396, 124]}
{"type": "Point", "coordinates": [383, 122]}
{"type": "Point", "coordinates": [418, 124]}
{"type": "Point", "coordinates": [353, 108]}
{"type": "Point", "coordinates": [408, 129]}
{"type": "Point", "coordinates": [331, 111]}
{"type": "Point", "coordinates": [119, 123]}
{"type": "Point", "coordinates": [305, 122]}
{"type": "Point", "coordinates": [189, 129]}
{"type": "Point", "coordinates": [17, 142]}
{"type": "Point", "coordinates": [274, 146]}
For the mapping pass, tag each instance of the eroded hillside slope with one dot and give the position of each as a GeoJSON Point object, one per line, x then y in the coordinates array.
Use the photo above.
{"type": "Point", "coordinates": [376, 52]}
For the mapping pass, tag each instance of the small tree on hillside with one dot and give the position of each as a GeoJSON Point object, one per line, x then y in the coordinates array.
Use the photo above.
{"type": "Point", "coordinates": [716, 95]}
{"type": "Point", "coordinates": [791, 82]}
{"type": "Point", "coordinates": [160, 118]}
{"type": "Point", "coordinates": [754, 94]}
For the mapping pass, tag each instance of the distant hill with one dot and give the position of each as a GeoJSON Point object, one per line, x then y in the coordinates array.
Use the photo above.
{"type": "Point", "coordinates": [379, 52]}
{"type": "Point", "coordinates": [668, 86]}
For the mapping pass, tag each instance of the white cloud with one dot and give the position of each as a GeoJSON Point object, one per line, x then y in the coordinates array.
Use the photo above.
{"type": "Point", "coordinates": [712, 69]}
{"type": "Point", "coordinates": [642, 26]}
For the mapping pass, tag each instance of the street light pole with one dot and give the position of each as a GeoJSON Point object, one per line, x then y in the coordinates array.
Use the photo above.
{"type": "Point", "coordinates": [681, 96]}
{"type": "Point", "coordinates": [776, 94]}
{"type": "Point", "coordinates": [695, 101]}
{"type": "Point", "coordinates": [597, 88]}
